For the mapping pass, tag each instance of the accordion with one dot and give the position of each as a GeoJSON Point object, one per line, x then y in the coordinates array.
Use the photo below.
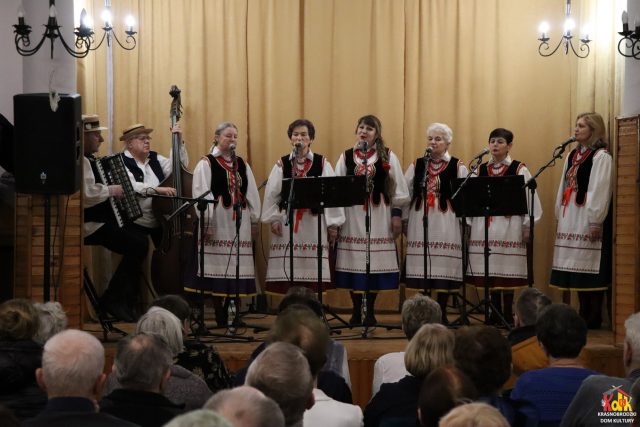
{"type": "Point", "coordinates": [112, 171]}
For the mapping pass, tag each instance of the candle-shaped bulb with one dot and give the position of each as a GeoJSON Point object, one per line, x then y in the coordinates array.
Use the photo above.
{"type": "Point", "coordinates": [52, 11]}
{"type": "Point", "coordinates": [586, 30]}
{"type": "Point", "coordinates": [106, 17]}
{"type": "Point", "coordinates": [543, 29]}
{"type": "Point", "coordinates": [569, 25]}
{"type": "Point", "coordinates": [129, 22]}
{"type": "Point", "coordinates": [86, 20]}
{"type": "Point", "coordinates": [625, 21]}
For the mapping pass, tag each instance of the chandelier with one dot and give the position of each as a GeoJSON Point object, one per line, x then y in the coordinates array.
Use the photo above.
{"type": "Point", "coordinates": [84, 35]}
{"type": "Point", "coordinates": [630, 39]}
{"type": "Point", "coordinates": [566, 41]}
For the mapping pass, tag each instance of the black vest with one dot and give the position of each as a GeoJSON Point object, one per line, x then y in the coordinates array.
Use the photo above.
{"type": "Point", "coordinates": [220, 181]}
{"type": "Point", "coordinates": [379, 176]}
{"type": "Point", "coordinates": [102, 212]}
{"type": "Point", "coordinates": [447, 177]}
{"type": "Point", "coordinates": [314, 170]}
{"type": "Point", "coordinates": [583, 174]}
{"type": "Point", "coordinates": [511, 170]}
{"type": "Point", "coordinates": [137, 173]}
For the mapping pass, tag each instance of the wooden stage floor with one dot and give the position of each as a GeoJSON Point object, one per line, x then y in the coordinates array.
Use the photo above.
{"type": "Point", "coordinates": [600, 354]}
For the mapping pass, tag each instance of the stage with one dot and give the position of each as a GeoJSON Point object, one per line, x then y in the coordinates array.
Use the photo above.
{"type": "Point", "coordinates": [600, 354]}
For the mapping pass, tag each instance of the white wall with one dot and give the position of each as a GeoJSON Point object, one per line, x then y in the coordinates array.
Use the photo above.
{"type": "Point", "coordinates": [31, 74]}
{"type": "Point", "coordinates": [631, 91]}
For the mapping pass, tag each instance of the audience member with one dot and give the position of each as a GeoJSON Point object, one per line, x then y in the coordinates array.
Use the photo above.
{"type": "Point", "coordinates": [282, 372]}
{"type": "Point", "coordinates": [526, 353]}
{"type": "Point", "coordinates": [589, 400]}
{"type": "Point", "coordinates": [444, 388]}
{"type": "Point", "coordinates": [331, 383]}
{"type": "Point", "coordinates": [199, 418]}
{"type": "Point", "coordinates": [431, 347]}
{"type": "Point", "coordinates": [474, 415]}
{"type": "Point", "coordinates": [416, 311]}
{"type": "Point", "coordinates": [198, 357]}
{"type": "Point", "coordinates": [71, 374]}
{"type": "Point", "coordinates": [20, 356]}
{"type": "Point", "coordinates": [337, 359]}
{"type": "Point", "coordinates": [300, 326]}
{"type": "Point", "coordinates": [53, 319]}
{"type": "Point", "coordinates": [246, 406]}
{"type": "Point", "coordinates": [562, 334]}
{"type": "Point", "coordinates": [142, 366]}
{"type": "Point", "coordinates": [183, 387]}
{"type": "Point", "coordinates": [7, 419]}
{"type": "Point", "coordinates": [484, 355]}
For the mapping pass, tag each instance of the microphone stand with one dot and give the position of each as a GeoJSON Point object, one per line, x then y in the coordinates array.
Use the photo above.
{"type": "Point", "coordinates": [367, 227]}
{"type": "Point", "coordinates": [290, 215]}
{"type": "Point", "coordinates": [532, 185]}
{"type": "Point", "coordinates": [237, 209]}
{"type": "Point", "coordinates": [424, 185]}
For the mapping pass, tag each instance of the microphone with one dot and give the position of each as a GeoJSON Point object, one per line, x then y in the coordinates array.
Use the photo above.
{"type": "Point", "coordinates": [481, 154]}
{"type": "Point", "coordinates": [428, 151]}
{"type": "Point", "coordinates": [232, 147]}
{"type": "Point", "coordinates": [362, 144]}
{"type": "Point", "coordinates": [298, 145]}
{"type": "Point", "coordinates": [563, 146]}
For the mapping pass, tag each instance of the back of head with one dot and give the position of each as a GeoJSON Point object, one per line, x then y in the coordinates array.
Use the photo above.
{"type": "Point", "coordinates": [53, 319]}
{"type": "Point", "coordinates": [484, 355]}
{"type": "Point", "coordinates": [142, 361]}
{"type": "Point", "coordinates": [199, 418]}
{"type": "Point", "coordinates": [632, 337]}
{"type": "Point", "coordinates": [430, 348]}
{"type": "Point", "coordinates": [246, 406]}
{"type": "Point", "coordinates": [303, 296]}
{"type": "Point", "coordinates": [72, 362]}
{"type": "Point", "coordinates": [417, 311]}
{"type": "Point", "coordinates": [177, 305]}
{"type": "Point", "coordinates": [529, 304]}
{"type": "Point", "coordinates": [443, 389]}
{"type": "Point", "coordinates": [159, 321]}
{"type": "Point", "coordinates": [474, 415]}
{"type": "Point", "coordinates": [18, 320]}
{"type": "Point", "coordinates": [282, 373]}
{"type": "Point", "coordinates": [300, 326]}
{"type": "Point", "coordinates": [561, 331]}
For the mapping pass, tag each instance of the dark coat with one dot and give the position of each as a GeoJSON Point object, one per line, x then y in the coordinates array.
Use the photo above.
{"type": "Point", "coordinates": [145, 408]}
{"type": "Point", "coordinates": [18, 388]}
{"type": "Point", "coordinates": [74, 412]}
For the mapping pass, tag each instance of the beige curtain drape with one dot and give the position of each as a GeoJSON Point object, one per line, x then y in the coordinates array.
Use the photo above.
{"type": "Point", "coordinates": [472, 64]}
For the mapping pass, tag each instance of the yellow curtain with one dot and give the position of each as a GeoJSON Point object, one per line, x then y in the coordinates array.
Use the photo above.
{"type": "Point", "coordinates": [472, 64]}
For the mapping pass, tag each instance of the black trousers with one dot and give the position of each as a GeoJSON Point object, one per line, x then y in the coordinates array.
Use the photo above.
{"type": "Point", "coordinates": [133, 247]}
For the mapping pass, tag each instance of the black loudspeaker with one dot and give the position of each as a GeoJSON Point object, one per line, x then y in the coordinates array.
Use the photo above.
{"type": "Point", "coordinates": [48, 144]}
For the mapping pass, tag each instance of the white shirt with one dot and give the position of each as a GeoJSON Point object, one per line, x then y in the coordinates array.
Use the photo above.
{"type": "Point", "coordinates": [151, 181]}
{"type": "Point", "coordinates": [327, 412]}
{"type": "Point", "coordinates": [94, 194]}
{"type": "Point", "coordinates": [389, 368]}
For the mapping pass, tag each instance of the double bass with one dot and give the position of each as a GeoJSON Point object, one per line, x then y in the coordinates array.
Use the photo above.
{"type": "Point", "coordinates": [171, 258]}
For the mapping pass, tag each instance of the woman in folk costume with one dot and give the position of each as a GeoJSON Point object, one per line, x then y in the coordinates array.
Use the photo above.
{"type": "Point", "coordinates": [215, 173]}
{"type": "Point", "coordinates": [434, 173]}
{"type": "Point", "coordinates": [388, 194]}
{"type": "Point", "coordinates": [582, 252]}
{"type": "Point", "coordinates": [508, 235]}
{"type": "Point", "coordinates": [301, 162]}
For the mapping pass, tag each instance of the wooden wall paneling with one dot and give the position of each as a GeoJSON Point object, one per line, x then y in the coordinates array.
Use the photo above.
{"type": "Point", "coordinates": [66, 251]}
{"type": "Point", "coordinates": [626, 269]}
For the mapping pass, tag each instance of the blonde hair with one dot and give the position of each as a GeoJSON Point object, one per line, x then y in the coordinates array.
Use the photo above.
{"type": "Point", "coordinates": [598, 130]}
{"type": "Point", "coordinates": [474, 415]}
{"type": "Point", "coordinates": [430, 348]}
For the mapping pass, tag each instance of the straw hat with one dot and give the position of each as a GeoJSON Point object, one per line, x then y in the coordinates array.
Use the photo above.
{"type": "Point", "coordinates": [90, 123]}
{"type": "Point", "coordinates": [134, 130]}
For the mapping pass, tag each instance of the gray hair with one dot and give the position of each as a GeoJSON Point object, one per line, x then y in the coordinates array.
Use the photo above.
{"type": "Point", "coordinates": [444, 129]}
{"type": "Point", "coordinates": [529, 304]}
{"type": "Point", "coordinates": [632, 335]}
{"type": "Point", "coordinates": [141, 361]}
{"type": "Point", "coordinates": [282, 372]}
{"type": "Point", "coordinates": [246, 406]}
{"type": "Point", "coordinates": [199, 418]}
{"type": "Point", "coordinates": [430, 348]}
{"type": "Point", "coordinates": [417, 311]}
{"type": "Point", "coordinates": [158, 320]}
{"type": "Point", "coordinates": [474, 414]}
{"type": "Point", "coordinates": [72, 362]}
{"type": "Point", "coordinates": [53, 319]}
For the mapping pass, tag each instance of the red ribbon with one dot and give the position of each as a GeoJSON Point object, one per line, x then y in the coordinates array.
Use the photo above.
{"type": "Point", "coordinates": [299, 213]}
{"type": "Point", "coordinates": [566, 196]}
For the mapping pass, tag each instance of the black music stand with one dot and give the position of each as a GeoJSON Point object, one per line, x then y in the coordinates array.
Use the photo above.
{"type": "Point", "coordinates": [319, 193]}
{"type": "Point", "coordinates": [485, 197]}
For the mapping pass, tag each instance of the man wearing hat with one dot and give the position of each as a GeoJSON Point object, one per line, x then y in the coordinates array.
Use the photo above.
{"type": "Point", "coordinates": [147, 169]}
{"type": "Point", "coordinates": [101, 229]}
